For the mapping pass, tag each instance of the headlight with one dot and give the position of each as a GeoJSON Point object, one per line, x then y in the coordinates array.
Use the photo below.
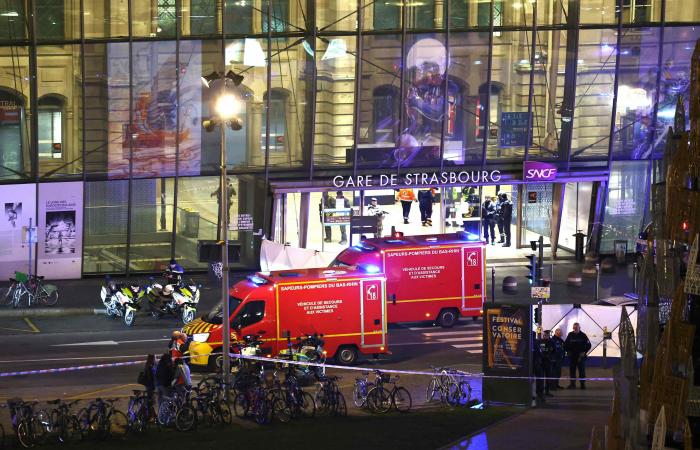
{"type": "Point", "coordinates": [200, 337]}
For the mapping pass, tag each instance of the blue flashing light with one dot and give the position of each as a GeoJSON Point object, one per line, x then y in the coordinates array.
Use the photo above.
{"type": "Point", "coordinates": [259, 281]}
{"type": "Point", "coordinates": [472, 237]}
{"type": "Point", "coordinates": [370, 268]}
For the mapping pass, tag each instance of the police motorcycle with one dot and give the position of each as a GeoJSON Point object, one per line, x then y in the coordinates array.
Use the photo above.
{"type": "Point", "coordinates": [308, 348]}
{"type": "Point", "coordinates": [179, 299]}
{"type": "Point", "coordinates": [122, 300]}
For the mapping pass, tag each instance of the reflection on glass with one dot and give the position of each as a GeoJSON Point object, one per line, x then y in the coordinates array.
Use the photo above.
{"type": "Point", "coordinates": [13, 20]}
{"type": "Point", "coordinates": [151, 224]}
{"type": "Point", "coordinates": [105, 219]}
{"type": "Point", "coordinates": [15, 160]}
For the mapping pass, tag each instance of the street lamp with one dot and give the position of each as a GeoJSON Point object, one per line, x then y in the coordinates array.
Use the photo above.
{"type": "Point", "coordinates": [227, 106]}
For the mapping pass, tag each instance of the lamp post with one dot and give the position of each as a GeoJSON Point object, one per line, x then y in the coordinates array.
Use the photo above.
{"type": "Point", "coordinates": [227, 107]}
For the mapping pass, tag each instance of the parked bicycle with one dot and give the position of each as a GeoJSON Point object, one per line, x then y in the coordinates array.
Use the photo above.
{"type": "Point", "coordinates": [203, 408]}
{"type": "Point", "coordinates": [449, 386]}
{"type": "Point", "coordinates": [141, 412]}
{"type": "Point", "coordinates": [362, 387]}
{"type": "Point", "coordinates": [328, 398]}
{"type": "Point", "coordinates": [30, 425]}
{"type": "Point", "coordinates": [64, 425]}
{"type": "Point", "coordinates": [381, 400]}
{"type": "Point", "coordinates": [101, 420]}
{"type": "Point", "coordinates": [168, 407]}
{"type": "Point", "coordinates": [289, 401]}
{"type": "Point", "coordinates": [30, 290]}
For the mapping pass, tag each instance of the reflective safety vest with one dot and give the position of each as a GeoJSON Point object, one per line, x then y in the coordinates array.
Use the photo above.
{"type": "Point", "coordinates": [406, 195]}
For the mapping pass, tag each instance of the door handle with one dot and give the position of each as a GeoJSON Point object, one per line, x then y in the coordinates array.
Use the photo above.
{"type": "Point", "coordinates": [393, 299]}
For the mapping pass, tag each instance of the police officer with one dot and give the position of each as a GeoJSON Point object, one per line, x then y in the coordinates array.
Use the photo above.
{"type": "Point", "coordinates": [577, 346]}
{"type": "Point", "coordinates": [546, 352]}
{"type": "Point", "coordinates": [488, 220]}
{"type": "Point", "coordinates": [557, 359]}
{"type": "Point", "coordinates": [505, 216]}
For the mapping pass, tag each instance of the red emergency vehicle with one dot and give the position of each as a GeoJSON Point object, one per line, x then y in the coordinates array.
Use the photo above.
{"type": "Point", "coordinates": [437, 277]}
{"type": "Point", "coordinates": [346, 306]}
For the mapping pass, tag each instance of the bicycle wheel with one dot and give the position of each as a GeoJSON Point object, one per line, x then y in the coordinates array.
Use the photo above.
{"type": "Point", "coordinates": [401, 399]}
{"type": "Point", "coordinates": [322, 400]}
{"type": "Point", "coordinates": [466, 392]}
{"type": "Point", "coordinates": [186, 419]}
{"type": "Point", "coordinates": [262, 411]}
{"type": "Point", "coordinates": [25, 433]}
{"type": "Point", "coordinates": [118, 424]}
{"type": "Point", "coordinates": [2, 437]}
{"type": "Point", "coordinates": [241, 406]}
{"type": "Point", "coordinates": [432, 390]}
{"type": "Point", "coordinates": [359, 394]}
{"type": "Point", "coordinates": [379, 400]}
{"type": "Point", "coordinates": [307, 406]}
{"type": "Point", "coordinates": [341, 408]}
{"type": "Point", "coordinates": [6, 295]}
{"type": "Point", "coordinates": [70, 432]}
{"type": "Point", "coordinates": [280, 411]}
{"type": "Point", "coordinates": [83, 420]}
{"type": "Point", "coordinates": [225, 412]}
{"type": "Point", "coordinates": [47, 295]}
{"type": "Point", "coordinates": [166, 412]}
{"type": "Point", "coordinates": [43, 428]}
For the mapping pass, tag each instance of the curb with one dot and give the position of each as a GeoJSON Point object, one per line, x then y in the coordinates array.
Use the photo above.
{"type": "Point", "coordinates": [49, 312]}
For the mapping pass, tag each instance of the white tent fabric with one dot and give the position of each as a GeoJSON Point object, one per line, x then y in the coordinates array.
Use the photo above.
{"type": "Point", "coordinates": [275, 256]}
{"type": "Point", "coordinates": [592, 318]}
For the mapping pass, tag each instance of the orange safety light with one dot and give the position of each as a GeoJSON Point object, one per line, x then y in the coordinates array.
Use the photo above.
{"type": "Point", "coordinates": [427, 314]}
{"type": "Point", "coordinates": [685, 226]}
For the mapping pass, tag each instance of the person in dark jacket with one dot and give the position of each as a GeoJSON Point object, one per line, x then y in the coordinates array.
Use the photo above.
{"type": "Point", "coordinates": [505, 218]}
{"type": "Point", "coordinates": [577, 346]}
{"type": "Point", "coordinates": [557, 358]}
{"type": "Point", "coordinates": [148, 379]}
{"type": "Point", "coordinates": [488, 220]}
{"type": "Point", "coordinates": [544, 349]}
{"type": "Point", "coordinates": [164, 375]}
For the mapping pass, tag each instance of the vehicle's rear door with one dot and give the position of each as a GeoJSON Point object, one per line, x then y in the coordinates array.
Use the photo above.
{"type": "Point", "coordinates": [373, 319]}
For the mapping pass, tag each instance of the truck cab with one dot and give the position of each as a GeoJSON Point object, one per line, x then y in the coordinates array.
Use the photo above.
{"type": "Point", "coordinates": [346, 306]}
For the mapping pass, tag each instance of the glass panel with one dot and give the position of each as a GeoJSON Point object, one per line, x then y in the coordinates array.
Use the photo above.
{"type": "Point", "coordinates": [15, 160]}
{"type": "Point", "coordinates": [336, 15]}
{"type": "Point", "coordinates": [60, 111]}
{"type": "Point", "coordinates": [107, 84]}
{"type": "Point", "coordinates": [197, 217]}
{"type": "Point", "coordinates": [598, 12]}
{"type": "Point", "coordinates": [331, 238]}
{"type": "Point", "coordinates": [552, 13]}
{"type": "Point", "coordinates": [550, 65]}
{"type": "Point", "coordinates": [537, 213]}
{"type": "Point", "coordinates": [154, 110]}
{"type": "Point", "coordinates": [379, 100]}
{"type": "Point", "coordinates": [426, 63]}
{"type": "Point", "coordinates": [57, 20]}
{"type": "Point", "coordinates": [13, 20]}
{"type": "Point", "coordinates": [682, 11]}
{"type": "Point", "coordinates": [641, 11]}
{"type": "Point", "coordinates": [239, 17]}
{"type": "Point", "coordinates": [594, 93]}
{"type": "Point", "coordinates": [576, 212]}
{"type": "Point", "coordinates": [155, 18]}
{"type": "Point", "coordinates": [201, 18]}
{"type": "Point", "coordinates": [512, 12]}
{"type": "Point", "coordinates": [106, 215]}
{"type": "Point", "coordinates": [510, 81]}
{"type": "Point", "coordinates": [381, 15]}
{"type": "Point", "coordinates": [624, 210]}
{"type": "Point", "coordinates": [246, 147]}
{"type": "Point", "coordinates": [679, 44]}
{"type": "Point", "coordinates": [151, 224]}
{"type": "Point", "coordinates": [280, 19]}
{"type": "Point", "coordinates": [288, 104]}
{"type": "Point", "coordinates": [636, 94]}
{"type": "Point", "coordinates": [462, 13]}
{"type": "Point", "coordinates": [335, 101]}
{"type": "Point", "coordinates": [465, 104]}
{"type": "Point", "coordinates": [198, 149]}
{"type": "Point", "coordinates": [422, 15]}
{"type": "Point", "coordinates": [106, 18]}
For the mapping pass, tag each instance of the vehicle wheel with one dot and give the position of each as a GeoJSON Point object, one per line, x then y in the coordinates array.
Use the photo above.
{"type": "Point", "coordinates": [48, 298]}
{"type": "Point", "coordinates": [186, 418]}
{"type": "Point", "coordinates": [307, 408]}
{"type": "Point", "coordinates": [241, 407]}
{"type": "Point", "coordinates": [280, 411]}
{"type": "Point", "coordinates": [466, 392]}
{"type": "Point", "coordinates": [358, 397]}
{"type": "Point", "coordinates": [262, 411]}
{"type": "Point", "coordinates": [346, 355]}
{"type": "Point", "coordinates": [109, 312]}
{"type": "Point", "coordinates": [447, 318]}
{"type": "Point", "coordinates": [402, 400]}
{"type": "Point", "coordinates": [431, 391]}
{"type": "Point", "coordinates": [129, 318]}
{"type": "Point", "coordinates": [379, 400]}
{"type": "Point", "coordinates": [341, 408]}
{"type": "Point", "coordinates": [71, 433]}
{"type": "Point", "coordinates": [453, 394]}
{"type": "Point", "coordinates": [188, 316]}
{"type": "Point", "coordinates": [166, 412]}
{"type": "Point", "coordinates": [6, 296]}
{"type": "Point", "coordinates": [25, 434]}
{"type": "Point", "coordinates": [214, 362]}
{"type": "Point", "coordinates": [225, 412]}
{"type": "Point", "coordinates": [118, 424]}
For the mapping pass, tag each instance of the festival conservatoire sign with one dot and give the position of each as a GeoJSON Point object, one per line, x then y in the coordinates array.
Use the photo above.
{"type": "Point", "coordinates": [60, 246]}
{"type": "Point", "coordinates": [507, 353]}
{"type": "Point", "coordinates": [18, 206]}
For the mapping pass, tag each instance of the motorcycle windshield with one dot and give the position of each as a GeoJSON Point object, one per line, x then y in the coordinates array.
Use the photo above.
{"type": "Point", "coordinates": [216, 314]}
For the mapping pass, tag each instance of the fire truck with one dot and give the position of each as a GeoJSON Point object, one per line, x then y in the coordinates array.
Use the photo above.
{"type": "Point", "coordinates": [347, 306]}
{"type": "Point", "coordinates": [437, 277]}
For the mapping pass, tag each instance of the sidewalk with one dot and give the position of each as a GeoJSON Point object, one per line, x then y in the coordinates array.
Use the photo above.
{"type": "Point", "coordinates": [83, 296]}
{"type": "Point", "coordinates": [564, 422]}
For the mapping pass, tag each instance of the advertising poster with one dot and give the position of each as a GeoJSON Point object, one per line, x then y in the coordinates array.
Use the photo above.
{"type": "Point", "coordinates": [507, 353]}
{"type": "Point", "coordinates": [60, 230]}
{"type": "Point", "coordinates": [18, 206]}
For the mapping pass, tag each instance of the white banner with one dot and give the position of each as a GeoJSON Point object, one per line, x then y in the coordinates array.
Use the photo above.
{"type": "Point", "coordinates": [60, 244]}
{"type": "Point", "coordinates": [18, 205]}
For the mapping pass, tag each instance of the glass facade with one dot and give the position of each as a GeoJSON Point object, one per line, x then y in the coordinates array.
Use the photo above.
{"type": "Point", "coordinates": [109, 93]}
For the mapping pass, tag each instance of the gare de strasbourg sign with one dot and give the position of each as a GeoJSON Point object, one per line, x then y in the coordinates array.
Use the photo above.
{"type": "Point", "coordinates": [533, 171]}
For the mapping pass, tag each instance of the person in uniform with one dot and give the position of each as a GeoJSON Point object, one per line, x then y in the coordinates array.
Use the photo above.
{"type": "Point", "coordinates": [375, 210]}
{"type": "Point", "coordinates": [505, 215]}
{"type": "Point", "coordinates": [577, 346]}
{"type": "Point", "coordinates": [557, 358]}
{"type": "Point", "coordinates": [406, 197]}
{"type": "Point", "coordinates": [488, 220]}
{"type": "Point", "coordinates": [545, 349]}
{"type": "Point", "coordinates": [425, 204]}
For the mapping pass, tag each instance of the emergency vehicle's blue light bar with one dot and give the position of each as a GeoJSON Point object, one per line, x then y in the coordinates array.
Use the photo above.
{"type": "Point", "coordinates": [256, 280]}
{"type": "Point", "coordinates": [467, 236]}
{"type": "Point", "coordinates": [369, 268]}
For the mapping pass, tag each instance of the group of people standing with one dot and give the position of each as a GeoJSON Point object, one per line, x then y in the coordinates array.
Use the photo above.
{"type": "Point", "coordinates": [497, 211]}
{"type": "Point", "coordinates": [548, 358]}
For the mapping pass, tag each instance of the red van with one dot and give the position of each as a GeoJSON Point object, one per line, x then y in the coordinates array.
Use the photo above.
{"type": "Point", "coordinates": [346, 306]}
{"type": "Point", "coordinates": [437, 277]}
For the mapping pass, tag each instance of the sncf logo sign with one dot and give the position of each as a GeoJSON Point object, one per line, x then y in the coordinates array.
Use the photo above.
{"type": "Point", "coordinates": [539, 171]}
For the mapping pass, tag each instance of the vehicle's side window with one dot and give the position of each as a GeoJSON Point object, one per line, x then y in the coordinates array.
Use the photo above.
{"type": "Point", "coordinates": [251, 313]}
